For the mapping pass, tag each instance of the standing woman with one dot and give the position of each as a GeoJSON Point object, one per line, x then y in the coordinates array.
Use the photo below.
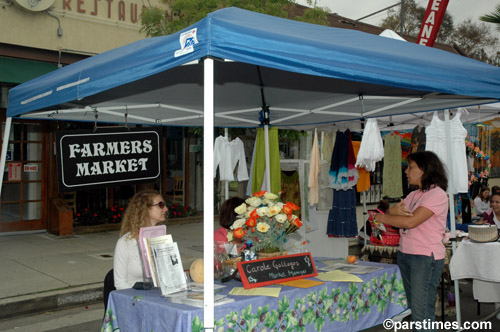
{"type": "Point", "coordinates": [482, 201]}
{"type": "Point", "coordinates": [421, 218]}
{"type": "Point", "coordinates": [146, 208]}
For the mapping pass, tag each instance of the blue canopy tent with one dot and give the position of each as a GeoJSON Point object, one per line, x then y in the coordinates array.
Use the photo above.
{"type": "Point", "coordinates": [237, 68]}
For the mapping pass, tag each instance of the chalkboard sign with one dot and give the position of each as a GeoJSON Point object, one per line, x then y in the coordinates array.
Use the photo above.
{"type": "Point", "coordinates": [267, 271]}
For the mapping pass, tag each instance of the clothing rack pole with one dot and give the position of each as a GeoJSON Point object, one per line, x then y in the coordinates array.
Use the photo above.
{"type": "Point", "coordinates": [226, 183]}
{"type": "Point", "coordinates": [364, 217]}
{"type": "Point", "coordinates": [268, 163]}
{"type": "Point", "coordinates": [452, 207]}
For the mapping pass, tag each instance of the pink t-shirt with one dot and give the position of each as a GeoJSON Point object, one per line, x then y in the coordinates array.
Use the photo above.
{"type": "Point", "coordinates": [426, 238]}
{"type": "Point", "coordinates": [220, 235]}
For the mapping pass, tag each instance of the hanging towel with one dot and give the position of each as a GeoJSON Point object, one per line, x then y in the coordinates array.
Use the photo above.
{"type": "Point", "coordinates": [314, 169]}
{"type": "Point", "coordinates": [259, 168]}
{"type": "Point", "coordinates": [372, 147]}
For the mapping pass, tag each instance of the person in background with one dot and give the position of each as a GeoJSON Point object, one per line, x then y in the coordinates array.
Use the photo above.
{"type": "Point", "coordinates": [146, 208]}
{"type": "Point", "coordinates": [494, 189]}
{"type": "Point", "coordinates": [482, 201]}
{"type": "Point", "coordinates": [492, 216]}
{"type": "Point", "coordinates": [226, 218]}
{"type": "Point", "coordinates": [421, 218]}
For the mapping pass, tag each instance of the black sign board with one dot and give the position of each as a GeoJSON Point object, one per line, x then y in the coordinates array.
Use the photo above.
{"type": "Point", "coordinates": [107, 157]}
{"type": "Point", "coordinates": [267, 271]}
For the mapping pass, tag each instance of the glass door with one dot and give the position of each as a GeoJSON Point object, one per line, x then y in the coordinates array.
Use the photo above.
{"type": "Point", "coordinates": [24, 194]}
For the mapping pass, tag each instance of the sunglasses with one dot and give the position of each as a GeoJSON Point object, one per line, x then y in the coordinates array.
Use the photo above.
{"type": "Point", "coordinates": [161, 205]}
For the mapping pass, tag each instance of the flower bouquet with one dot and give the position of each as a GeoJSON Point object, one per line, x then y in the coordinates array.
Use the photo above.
{"type": "Point", "coordinates": [264, 223]}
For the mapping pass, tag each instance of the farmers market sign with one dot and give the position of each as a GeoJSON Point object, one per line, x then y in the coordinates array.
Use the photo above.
{"type": "Point", "coordinates": [87, 159]}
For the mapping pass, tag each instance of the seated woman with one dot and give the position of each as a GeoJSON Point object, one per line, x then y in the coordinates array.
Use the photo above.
{"type": "Point", "coordinates": [482, 201]}
{"type": "Point", "coordinates": [226, 218]}
{"type": "Point", "coordinates": [146, 208]}
{"type": "Point", "coordinates": [492, 216]}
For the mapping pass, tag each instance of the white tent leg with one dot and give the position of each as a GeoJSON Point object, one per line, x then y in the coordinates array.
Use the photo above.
{"type": "Point", "coordinates": [5, 143]}
{"type": "Point", "coordinates": [208, 197]}
{"type": "Point", "coordinates": [452, 209]}
{"type": "Point", "coordinates": [226, 183]}
{"type": "Point", "coordinates": [268, 163]}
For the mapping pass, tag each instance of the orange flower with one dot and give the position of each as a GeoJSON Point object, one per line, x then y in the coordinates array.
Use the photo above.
{"type": "Point", "coordinates": [259, 193]}
{"type": "Point", "coordinates": [297, 222]}
{"type": "Point", "coordinates": [251, 222]}
{"type": "Point", "coordinates": [287, 209]}
{"type": "Point", "coordinates": [239, 233]}
{"type": "Point", "coordinates": [293, 206]}
{"type": "Point", "coordinates": [254, 214]}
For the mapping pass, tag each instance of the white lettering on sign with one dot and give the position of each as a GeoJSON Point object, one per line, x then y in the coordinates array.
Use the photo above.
{"type": "Point", "coordinates": [111, 167]}
{"type": "Point", "coordinates": [429, 23]}
{"type": "Point", "coordinates": [109, 149]}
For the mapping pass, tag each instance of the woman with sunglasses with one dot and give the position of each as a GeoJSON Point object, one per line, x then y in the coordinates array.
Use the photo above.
{"type": "Point", "coordinates": [146, 208]}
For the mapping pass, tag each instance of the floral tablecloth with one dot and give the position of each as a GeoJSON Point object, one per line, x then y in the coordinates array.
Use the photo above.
{"type": "Point", "coordinates": [333, 306]}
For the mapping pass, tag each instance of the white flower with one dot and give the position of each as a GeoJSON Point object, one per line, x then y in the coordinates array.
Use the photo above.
{"type": "Point", "coordinates": [274, 210]}
{"type": "Point", "coordinates": [271, 196]}
{"type": "Point", "coordinates": [281, 218]}
{"type": "Point", "coordinates": [241, 209]}
{"type": "Point", "coordinates": [238, 223]}
{"type": "Point", "coordinates": [262, 227]}
{"type": "Point", "coordinates": [253, 201]}
{"type": "Point", "coordinates": [263, 211]}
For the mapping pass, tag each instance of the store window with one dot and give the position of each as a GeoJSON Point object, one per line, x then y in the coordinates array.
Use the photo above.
{"type": "Point", "coordinates": [22, 180]}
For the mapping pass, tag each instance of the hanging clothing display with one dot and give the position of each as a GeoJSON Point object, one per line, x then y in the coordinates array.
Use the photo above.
{"type": "Point", "coordinates": [259, 163]}
{"type": "Point", "coordinates": [327, 143]}
{"type": "Point", "coordinates": [228, 154]}
{"type": "Point", "coordinates": [392, 174]}
{"type": "Point", "coordinates": [314, 168]}
{"type": "Point", "coordinates": [405, 147]}
{"type": "Point", "coordinates": [343, 174]}
{"type": "Point", "coordinates": [418, 139]}
{"type": "Point", "coordinates": [364, 176]}
{"type": "Point", "coordinates": [436, 142]}
{"type": "Point", "coordinates": [342, 217]}
{"type": "Point", "coordinates": [290, 189]}
{"type": "Point", "coordinates": [372, 148]}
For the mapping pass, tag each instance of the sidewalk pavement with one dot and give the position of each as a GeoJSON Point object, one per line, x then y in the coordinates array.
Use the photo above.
{"type": "Point", "coordinates": [43, 272]}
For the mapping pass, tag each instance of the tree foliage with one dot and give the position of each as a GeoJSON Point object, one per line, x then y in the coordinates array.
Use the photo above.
{"type": "Point", "coordinates": [475, 39]}
{"type": "Point", "coordinates": [179, 14]}
{"type": "Point", "coordinates": [493, 17]}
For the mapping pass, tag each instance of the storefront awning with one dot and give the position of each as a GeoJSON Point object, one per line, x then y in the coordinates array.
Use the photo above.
{"type": "Point", "coordinates": [17, 71]}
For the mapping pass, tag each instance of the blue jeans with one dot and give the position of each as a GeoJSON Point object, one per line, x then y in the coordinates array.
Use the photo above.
{"type": "Point", "coordinates": [421, 276]}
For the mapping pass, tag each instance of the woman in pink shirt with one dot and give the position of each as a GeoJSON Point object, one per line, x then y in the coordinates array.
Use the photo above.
{"type": "Point", "coordinates": [421, 218]}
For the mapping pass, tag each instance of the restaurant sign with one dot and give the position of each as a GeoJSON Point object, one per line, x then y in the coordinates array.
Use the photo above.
{"type": "Point", "coordinates": [104, 158]}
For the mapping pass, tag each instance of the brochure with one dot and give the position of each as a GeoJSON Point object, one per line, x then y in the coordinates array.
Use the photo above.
{"type": "Point", "coordinates": [167, 264]}
{"type": "Point", "coordinates": [145, 233]}
{"type": "Point", "coordinates": [195, 299]}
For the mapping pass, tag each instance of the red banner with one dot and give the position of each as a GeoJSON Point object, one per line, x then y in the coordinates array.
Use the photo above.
{"type": "Point", "coordinates": [432, 21]}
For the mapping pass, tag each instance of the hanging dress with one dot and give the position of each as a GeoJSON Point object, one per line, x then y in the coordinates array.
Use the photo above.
{"type": "Point", "coordinates": [392, 175]}
{"type": "Point", "coordinates": [342, 220]}
{"type": "Point", "coordinates": [372, 148]}
{"type": "Point", "coordinates": [436, 142]}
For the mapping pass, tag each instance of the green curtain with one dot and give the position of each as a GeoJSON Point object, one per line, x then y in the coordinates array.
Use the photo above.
{"type": "Point", "coordinates": [260, 161]}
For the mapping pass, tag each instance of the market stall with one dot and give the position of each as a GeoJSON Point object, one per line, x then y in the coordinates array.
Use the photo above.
{"type": "Point", "coordinates": [242, 69]}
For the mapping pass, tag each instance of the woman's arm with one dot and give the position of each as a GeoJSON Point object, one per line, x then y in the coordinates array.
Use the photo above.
{"type": "Point", "coordinates": [120, 263]}
{"type": "Point", "coordinates": [403, 220]}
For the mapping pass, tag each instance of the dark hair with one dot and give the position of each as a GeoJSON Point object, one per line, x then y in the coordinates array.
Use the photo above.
{"type": "Point", "coordinates": [496, 193]}
{"type": "Point", "coordinates": [227, 214]}
{"type": "Point", "coordinates": [432, 167]}
{"type": "Point", "coordinates": [495, 189]}
{"type": "Point", "coordinates": [481, 191]}
{"type": "Point", "coordinates": [383, 205]}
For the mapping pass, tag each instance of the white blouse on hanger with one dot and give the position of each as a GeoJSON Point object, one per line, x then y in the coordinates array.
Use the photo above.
{"type": "Point", "coordinates": [371, 149]}
{"type": "Point", "coordinates": [226, 156]}
{"type": "Point", "coordinates": [435, 134]}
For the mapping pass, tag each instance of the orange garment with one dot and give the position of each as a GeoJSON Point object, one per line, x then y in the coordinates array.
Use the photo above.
{"type": "Point", "coordinates": [364, 176]}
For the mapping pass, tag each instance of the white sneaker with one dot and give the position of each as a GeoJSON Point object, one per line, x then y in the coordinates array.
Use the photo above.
{"type": "Point", "coordinates": [401, 316]}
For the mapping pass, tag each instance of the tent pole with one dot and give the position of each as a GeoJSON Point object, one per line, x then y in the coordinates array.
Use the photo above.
{"type": "Point", "coordinates": [208, 197]}
{"type": "Point", "coordinates": [226, 183]}
{"type": "Point", "coordinates": [452, 208]}
{"type": "Point", "coordinates": [5, 143]}
{"type": "Point", "coordinates": [268, 167]}
{"type": "Point", "coordinates": [364, 217]}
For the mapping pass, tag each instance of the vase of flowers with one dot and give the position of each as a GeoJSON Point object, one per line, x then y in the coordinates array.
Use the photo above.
{"type": "Point", "coordinates": [264, 223]}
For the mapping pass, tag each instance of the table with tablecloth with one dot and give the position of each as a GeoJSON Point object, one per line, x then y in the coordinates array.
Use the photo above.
{"type": "Point", "coordinates": [332, 306]}
{"type": "Point", "coordinates": [478, 261]}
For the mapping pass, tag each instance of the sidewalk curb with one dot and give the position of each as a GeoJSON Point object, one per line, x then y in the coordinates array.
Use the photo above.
{"type": "Point", "coordinates": [49, 301]}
